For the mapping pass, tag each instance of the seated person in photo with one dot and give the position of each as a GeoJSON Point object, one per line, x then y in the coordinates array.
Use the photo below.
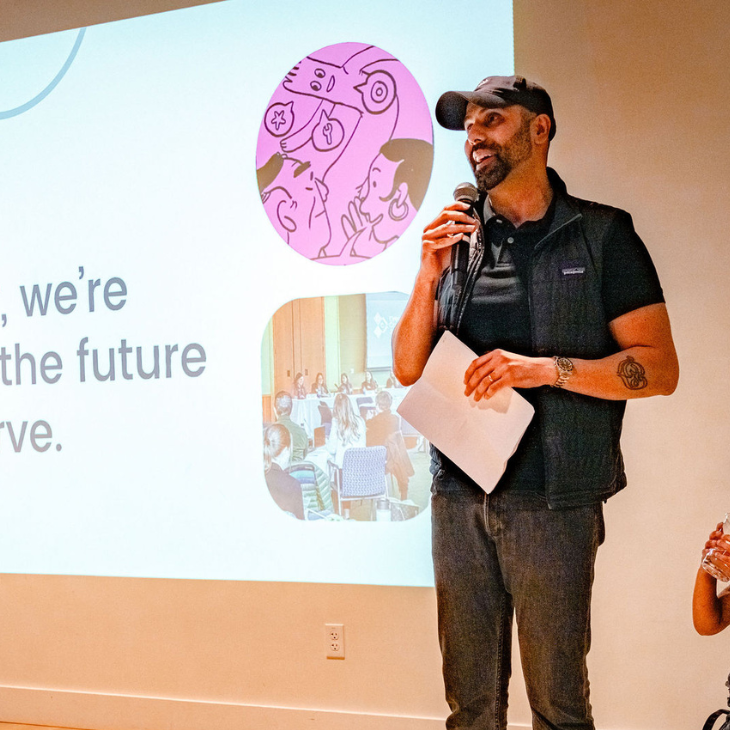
{"type": "Point", "coordinates": [298, 389]}
{"type": "Point", "coordinates": [710, 612]}
{"type": "Point", "coordinates": [384, 430]}
{"type": "Point", "coordinates": [318, 386]}
{"type": "Point", "coordinates": [345, 386]}
{"type": "Point", "coordinates": [300, 441]}
{"type": "Point", "coordinates": [392, 381]}
{"type": "Point", "coordinates": [285, 489]}
{"type": "Point", "coordinates": [369, 382]}
{"type": "Point", "coordinates": [384, 423]}
{"type": "Point", "coordinates": [347, 429]}
{"type": "Point", "coordinates": [325, 415]}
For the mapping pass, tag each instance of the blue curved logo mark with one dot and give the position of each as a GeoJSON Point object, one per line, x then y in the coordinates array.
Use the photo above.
{"type": "Point", "coordinates": [38, 98]}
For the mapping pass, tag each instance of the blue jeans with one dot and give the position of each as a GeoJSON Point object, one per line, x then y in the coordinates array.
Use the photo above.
{"type": "Point", "coordinates": [504, 553]}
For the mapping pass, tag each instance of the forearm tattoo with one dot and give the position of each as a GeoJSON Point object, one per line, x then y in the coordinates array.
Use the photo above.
{"type": "Point", "coordinates": [632, 373]}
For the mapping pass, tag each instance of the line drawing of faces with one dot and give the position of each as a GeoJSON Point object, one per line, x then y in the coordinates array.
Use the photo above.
{"type": "Point", "coordinates": [296, 199]}
{"type": "Point", "coordinates": [389, 198]}
{"type": "Point", "coordinates": [335, 112]}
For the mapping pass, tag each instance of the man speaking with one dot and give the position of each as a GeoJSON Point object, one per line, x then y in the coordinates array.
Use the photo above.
{"type": "Point", "coordinates": [559, 298]}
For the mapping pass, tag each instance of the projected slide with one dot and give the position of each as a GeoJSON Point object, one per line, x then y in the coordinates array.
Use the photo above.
{"type": "Point", "coordinates": [174, 188]}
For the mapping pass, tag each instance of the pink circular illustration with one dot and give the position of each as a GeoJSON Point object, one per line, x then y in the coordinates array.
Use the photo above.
{"type": "Point", "coordinates": [344, 153]}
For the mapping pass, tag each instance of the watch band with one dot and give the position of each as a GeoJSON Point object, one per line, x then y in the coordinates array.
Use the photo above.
{"type": "Point", "coordinates": [565, 368]}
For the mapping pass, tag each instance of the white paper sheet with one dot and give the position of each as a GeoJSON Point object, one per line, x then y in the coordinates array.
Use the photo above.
{"type": "Point", "coordinates": [478, 436]}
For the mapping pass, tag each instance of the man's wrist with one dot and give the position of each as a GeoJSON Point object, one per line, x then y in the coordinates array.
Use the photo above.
{"type": "Point", "coordinates": [545, 371]}
{"type": "Point", "coordinates": [429, 274]}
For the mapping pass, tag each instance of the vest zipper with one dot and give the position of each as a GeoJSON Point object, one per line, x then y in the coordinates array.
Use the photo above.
{"type": "Point", "coordinates": [475, 264]}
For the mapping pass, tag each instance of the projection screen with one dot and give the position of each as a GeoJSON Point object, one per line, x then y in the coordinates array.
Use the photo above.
{"type": "Point", "coordinates": [197, 206]}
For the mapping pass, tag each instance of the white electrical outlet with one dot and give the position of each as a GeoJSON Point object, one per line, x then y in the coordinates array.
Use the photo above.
{"type": "Point", "coordinates": [334, 636]}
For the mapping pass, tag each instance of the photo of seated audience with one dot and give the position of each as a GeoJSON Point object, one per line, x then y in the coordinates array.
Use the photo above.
{"type": "Point", "coordinates": [350, 454]}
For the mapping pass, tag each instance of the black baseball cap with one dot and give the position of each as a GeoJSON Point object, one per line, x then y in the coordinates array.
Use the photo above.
{"type": "Point", "coordinates": [494, 91]}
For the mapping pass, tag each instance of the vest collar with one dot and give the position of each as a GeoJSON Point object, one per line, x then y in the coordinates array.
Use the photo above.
{"type": "Point", "coordinates": [565, 210]}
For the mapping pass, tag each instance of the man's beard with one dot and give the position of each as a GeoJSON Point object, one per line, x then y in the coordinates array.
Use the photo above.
{"type": "Point", "coordinates": [505, 158]}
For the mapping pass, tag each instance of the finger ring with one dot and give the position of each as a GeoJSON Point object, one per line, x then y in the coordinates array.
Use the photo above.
{"type": "Point", "coordinates": [491, 380]}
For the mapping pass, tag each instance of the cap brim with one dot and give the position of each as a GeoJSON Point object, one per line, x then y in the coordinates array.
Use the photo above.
{"type": "Point", "coordinates": [451, 107]}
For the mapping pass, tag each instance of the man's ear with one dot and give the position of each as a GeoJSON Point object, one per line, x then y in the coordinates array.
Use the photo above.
{"type": "Point", "coordinates": [541, 129]}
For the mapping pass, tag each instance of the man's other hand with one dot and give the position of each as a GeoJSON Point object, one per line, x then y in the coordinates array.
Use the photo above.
{"type": "Point", "coordinates": [501, 369]}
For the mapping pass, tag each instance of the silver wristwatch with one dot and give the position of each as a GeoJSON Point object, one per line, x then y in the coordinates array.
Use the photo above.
{"type": "Point", "coordinates": [564, 366]}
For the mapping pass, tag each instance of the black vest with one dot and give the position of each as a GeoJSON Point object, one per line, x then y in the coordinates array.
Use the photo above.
{"type": "Point", "coordinates": [580, 434]}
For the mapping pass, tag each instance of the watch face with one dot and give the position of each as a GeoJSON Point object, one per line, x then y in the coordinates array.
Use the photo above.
{"type": "Point", "coordinates": [564, 365]}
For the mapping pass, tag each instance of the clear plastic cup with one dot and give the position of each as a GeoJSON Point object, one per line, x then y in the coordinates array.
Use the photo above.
{"type": "Point", "coordinates": [710, 563]}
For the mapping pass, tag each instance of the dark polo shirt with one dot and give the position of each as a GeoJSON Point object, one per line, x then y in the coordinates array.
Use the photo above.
{"type": "Point", "coordinates": [497, 315]}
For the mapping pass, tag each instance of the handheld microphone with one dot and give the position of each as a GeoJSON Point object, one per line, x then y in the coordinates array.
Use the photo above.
{"type": "Point", "coordinates": [464, 193]}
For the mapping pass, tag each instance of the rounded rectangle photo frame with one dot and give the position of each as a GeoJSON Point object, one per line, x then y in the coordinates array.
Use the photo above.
{"type": "Point", "coordinates": [334, 448]}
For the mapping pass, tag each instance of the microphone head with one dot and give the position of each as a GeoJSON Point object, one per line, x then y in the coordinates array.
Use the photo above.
{"type": "Point", "coordinates": [466, 193]}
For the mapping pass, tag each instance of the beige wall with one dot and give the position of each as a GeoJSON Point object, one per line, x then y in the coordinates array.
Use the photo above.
{"type": "Point", "coordinates": [642, 102]}
{"type": "Point", "coordinates": [260, 644]}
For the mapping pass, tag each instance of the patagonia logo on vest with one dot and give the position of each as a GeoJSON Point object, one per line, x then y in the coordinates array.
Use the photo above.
{"type": "Point", "coordinates": [572, 269]}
